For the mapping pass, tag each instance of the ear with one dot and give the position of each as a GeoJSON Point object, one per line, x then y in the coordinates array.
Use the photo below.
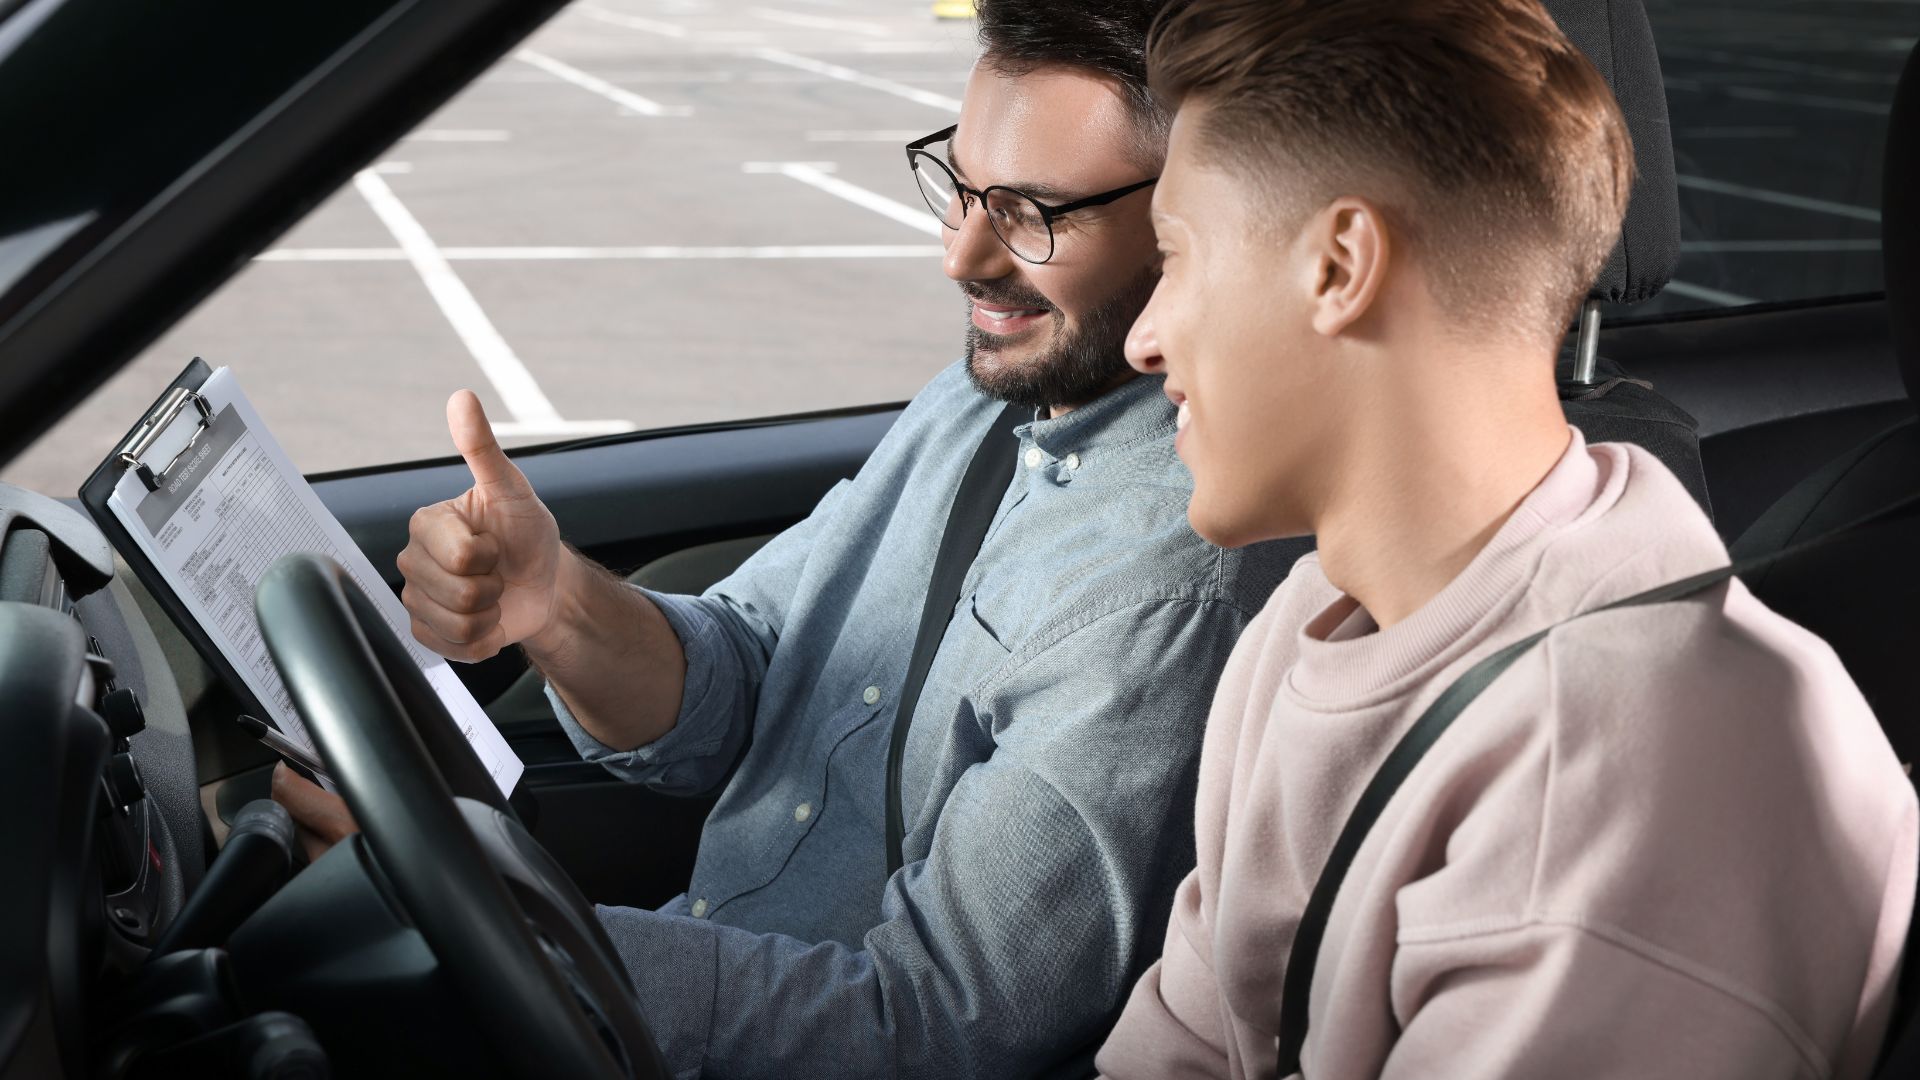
{"type": "Point", "coordinates": [1350, 251]}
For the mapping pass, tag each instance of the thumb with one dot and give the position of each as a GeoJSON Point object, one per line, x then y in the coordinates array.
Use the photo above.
{"type": "Point", "coordinates": [473, 437]}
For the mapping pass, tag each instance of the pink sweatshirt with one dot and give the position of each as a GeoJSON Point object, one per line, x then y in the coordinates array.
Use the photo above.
{"type": "Point", "coordinates": [1670, 841]}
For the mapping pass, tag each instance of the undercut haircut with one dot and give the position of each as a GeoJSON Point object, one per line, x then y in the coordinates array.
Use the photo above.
{"type": "Point", "coordinates": [1106, 38]}
{"type": "Point", "coordinates": [1490, 143]}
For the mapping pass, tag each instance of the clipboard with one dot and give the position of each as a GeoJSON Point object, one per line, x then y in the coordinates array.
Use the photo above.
{"type": "Point", "coordinates": [182, 395]}
{"type": "Point", "coordinates": [221, 501]}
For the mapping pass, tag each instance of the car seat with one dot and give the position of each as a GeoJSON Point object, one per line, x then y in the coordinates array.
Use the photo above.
{"type": "Point", "coordinates": [1862, 592]}
{"type": "Point", "coordinates": [1600, 399]}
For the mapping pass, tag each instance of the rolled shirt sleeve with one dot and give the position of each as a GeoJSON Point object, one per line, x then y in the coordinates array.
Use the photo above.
{"type": "Point", "coordinates": [1005, 945]}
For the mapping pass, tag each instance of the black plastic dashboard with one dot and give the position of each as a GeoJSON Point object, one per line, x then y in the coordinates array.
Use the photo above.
{"type": "Point", "coordinates": [103, 838]}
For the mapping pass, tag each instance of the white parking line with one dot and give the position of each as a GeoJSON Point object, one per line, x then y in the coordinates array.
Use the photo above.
{"type": "Point", "coordinates": [1735, 132]}
{"type": "Point", "coordinates": [610, 254]}
{"type": "Point", "coordinates": [1792, 67]}
{"type": "Point", "coordinates": [819, 22]}
{"type": "Point", "coordinates": [910, 47]}
{"type": "Point", "coordinates": [632, 22]}
{"type": "Point", "coordinates": [810, 173]}
{"type": "Point", "coordinates": [864, 136]}
{"type": "Point", "coordinates": [1775, 246]}
{"type": "Point", "coordinates": [858, 78]}
{"type": "Point", "coordinates": [1777, 198]}
{"type": "Point", "coordinates": [532, 412]}
{"type": "Point", "coordinates": [1750, 93]}
{"type": "Point", "coordinates": [624, 98]}
{"type": "Point", "coordinates": [1814, 101]}
{"type": "Point", "coordinates": [1711, 296]}
{"type": "Point", "coordinates": [457, 135]}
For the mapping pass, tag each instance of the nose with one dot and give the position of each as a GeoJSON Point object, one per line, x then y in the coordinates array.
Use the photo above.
{"type": "Point", "coordinates": [1143, 341]}
{"type": "Point", "coordinates": [974, 252]}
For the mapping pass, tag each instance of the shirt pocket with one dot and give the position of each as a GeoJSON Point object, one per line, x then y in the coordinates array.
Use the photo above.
{"type": "Point", "coordinates": [970, 652]}
{"type": "Point", "coordinates": [948, 735]}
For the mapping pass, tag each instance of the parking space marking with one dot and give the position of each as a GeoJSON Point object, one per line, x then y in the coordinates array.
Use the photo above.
{"type": "Point", "coordinates": [1767, 63]}
{"type": "Point", "coordinates": [860, 78]}
{"type": "Point", "coordinates": [457, 135]}
{"type": "Point", "coordinates": [526, 402]}
{"type": "Point", "coordinates": [1777, 198]}
{"type": "Point", "coordinates": [819, 22]}
{"type": "Point", "coordinates": [1753, 93]}
{"type": "Point", "coordinates": [810, 173]}
{"type": "Point", "coordinates": [624, 98]}
{"type": "Point", "coordinates": [906, 47]}
{"type": "Point", "coordinates": [1711, 296]}
{"type": "Point", "coordinates": [560, 429]}
{"type": "Point", "coordinates": [632, 22]}
{"type": "Point", "coordinates": [864, 136]}
{"type": "Point", "coordinates": [1775, 246]}
{"type": "Point", "coordinates": [1737, 132]}
{"type": "Point", "coordinates": [611, 254]}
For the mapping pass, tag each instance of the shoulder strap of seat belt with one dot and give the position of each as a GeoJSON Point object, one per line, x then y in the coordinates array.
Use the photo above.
{"type": "Point", "coordinates": [1297, 984]}
{"type": "Point", "coordinates": [981, 488]}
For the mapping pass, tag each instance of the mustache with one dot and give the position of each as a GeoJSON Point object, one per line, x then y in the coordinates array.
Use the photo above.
{"type": "Point", "coordinates": [1005, 296]}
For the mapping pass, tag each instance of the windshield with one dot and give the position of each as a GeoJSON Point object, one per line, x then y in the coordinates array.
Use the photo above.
{"type": "Point", "coordinates": [658, 213]}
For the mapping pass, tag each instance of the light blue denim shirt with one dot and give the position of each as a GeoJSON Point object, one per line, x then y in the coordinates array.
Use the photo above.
{"type": "Point", "coordinates": [1048, 779]}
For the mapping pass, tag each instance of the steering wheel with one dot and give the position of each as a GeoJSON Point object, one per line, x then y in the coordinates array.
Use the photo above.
{"type": "Point", "coordinates": [509, 926]}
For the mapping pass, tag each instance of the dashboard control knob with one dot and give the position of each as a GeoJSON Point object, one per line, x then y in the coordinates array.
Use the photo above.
{"type": "Point", "coordinates": [123, 714]}
{"type": "Point", "coordinates": [124, 785]}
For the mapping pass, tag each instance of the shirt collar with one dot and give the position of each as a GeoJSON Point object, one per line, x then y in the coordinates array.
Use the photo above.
{"type": "Point", "coordinates": [1135, 411]}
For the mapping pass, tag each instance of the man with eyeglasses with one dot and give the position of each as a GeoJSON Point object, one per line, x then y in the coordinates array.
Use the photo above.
{"type": "Point", "coordinates": [1039, 790]}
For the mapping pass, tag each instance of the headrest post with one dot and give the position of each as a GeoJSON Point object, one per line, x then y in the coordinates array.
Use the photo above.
{"type": "Point", "coordinates": [1586, 352]}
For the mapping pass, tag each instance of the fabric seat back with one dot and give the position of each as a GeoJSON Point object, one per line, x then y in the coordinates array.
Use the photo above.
{"type": "Point", "coordinates": [1863, 594]}
{"type": "Point", "coordinates": [1616, 36]}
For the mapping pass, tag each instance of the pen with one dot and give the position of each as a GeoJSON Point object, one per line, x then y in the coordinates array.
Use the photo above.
{"type": "Point", "coordinates": [291, 752]}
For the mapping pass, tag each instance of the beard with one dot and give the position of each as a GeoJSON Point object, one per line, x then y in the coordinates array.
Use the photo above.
{"type": "Point", "coordinates": [1071, 368]}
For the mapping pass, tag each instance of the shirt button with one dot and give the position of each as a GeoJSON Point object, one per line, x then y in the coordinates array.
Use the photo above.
{"type": "Point", "coordinates": [803, 812]}
{"type": "Point", "coordinates": [1033, 458]}
{"type": "Point", "coordinates": [871, 695]}
{"type": "Point", "coordinates": [700, 908]}
{"type": "Point", "coordinates": [1073, 461]}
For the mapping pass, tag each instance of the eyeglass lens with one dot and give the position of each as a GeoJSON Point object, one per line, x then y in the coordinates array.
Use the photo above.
{"type": "Point", "coordinates": [1016, 219]}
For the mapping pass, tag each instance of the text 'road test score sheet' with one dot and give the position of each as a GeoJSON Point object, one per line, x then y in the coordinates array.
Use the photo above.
{"type": "Point", "coordinates": [220, 518]}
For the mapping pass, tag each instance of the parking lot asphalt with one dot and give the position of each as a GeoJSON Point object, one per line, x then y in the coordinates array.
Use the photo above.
{"type": "Point", "coordinates": [659, 212]}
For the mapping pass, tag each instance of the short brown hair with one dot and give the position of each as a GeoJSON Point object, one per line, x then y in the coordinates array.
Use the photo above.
{"type": "Point", "coordinates": [1487, 137]}
{"type": "Point", "coordinates": [1107, 38]}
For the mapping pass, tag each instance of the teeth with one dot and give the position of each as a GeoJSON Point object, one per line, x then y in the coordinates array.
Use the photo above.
{"type": "Point", "coordinates": [1180, 420]}
{"type": "Point", "coordinates": [1003, 316]}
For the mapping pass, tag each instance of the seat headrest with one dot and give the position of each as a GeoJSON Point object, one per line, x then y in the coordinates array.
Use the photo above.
{"type": "Point", "coordinates": [1616, 36]}
{"type": "Point", "coordinates": [1900, 224]}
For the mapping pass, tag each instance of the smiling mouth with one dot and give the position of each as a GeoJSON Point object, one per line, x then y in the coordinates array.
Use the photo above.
{"type": "Point", "coordinates": [1001, 315]}
{"type": "Point", "coordinates": [1006, 317]}
{"type": "Point", "coordinates": [1007, 321]}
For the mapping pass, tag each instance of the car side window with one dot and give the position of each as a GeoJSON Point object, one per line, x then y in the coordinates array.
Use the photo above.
{"type": "Point", "coordinates": [1779, 115]}
{"type": "Point", "coordinates": [645, 215]}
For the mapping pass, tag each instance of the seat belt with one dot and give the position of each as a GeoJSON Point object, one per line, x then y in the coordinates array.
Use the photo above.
{"type": "Point", "coordinates": [1297, 983]}
{"type": "Point", "coordinates": [981, 489]}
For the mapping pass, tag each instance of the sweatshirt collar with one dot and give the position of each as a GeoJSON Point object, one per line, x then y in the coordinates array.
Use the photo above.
{"type": "Point", "coordinates": [1345, 660]}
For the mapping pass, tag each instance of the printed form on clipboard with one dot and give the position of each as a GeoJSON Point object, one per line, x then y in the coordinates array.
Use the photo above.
{"type": "Point", "coordinates": [228, 506]}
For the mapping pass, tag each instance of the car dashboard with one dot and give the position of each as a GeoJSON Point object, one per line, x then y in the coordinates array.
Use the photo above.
{"type": "Point", "coordinates": [104, 834]}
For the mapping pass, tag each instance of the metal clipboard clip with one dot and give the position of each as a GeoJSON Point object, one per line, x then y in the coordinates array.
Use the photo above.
{"type": "Point", "coordinates": [155, 425]}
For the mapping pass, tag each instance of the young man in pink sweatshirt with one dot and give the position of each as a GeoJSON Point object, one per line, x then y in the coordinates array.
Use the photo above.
{"type": "Point", "coordinates": [1670, 840]}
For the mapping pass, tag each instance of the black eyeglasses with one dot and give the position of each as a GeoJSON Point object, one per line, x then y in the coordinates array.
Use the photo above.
{"type": "Point", "coordinates": [1022, 222]}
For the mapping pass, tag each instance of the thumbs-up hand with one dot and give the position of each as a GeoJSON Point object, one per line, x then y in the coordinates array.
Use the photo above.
{"type": "Point", "coordinates": [482, 569]}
